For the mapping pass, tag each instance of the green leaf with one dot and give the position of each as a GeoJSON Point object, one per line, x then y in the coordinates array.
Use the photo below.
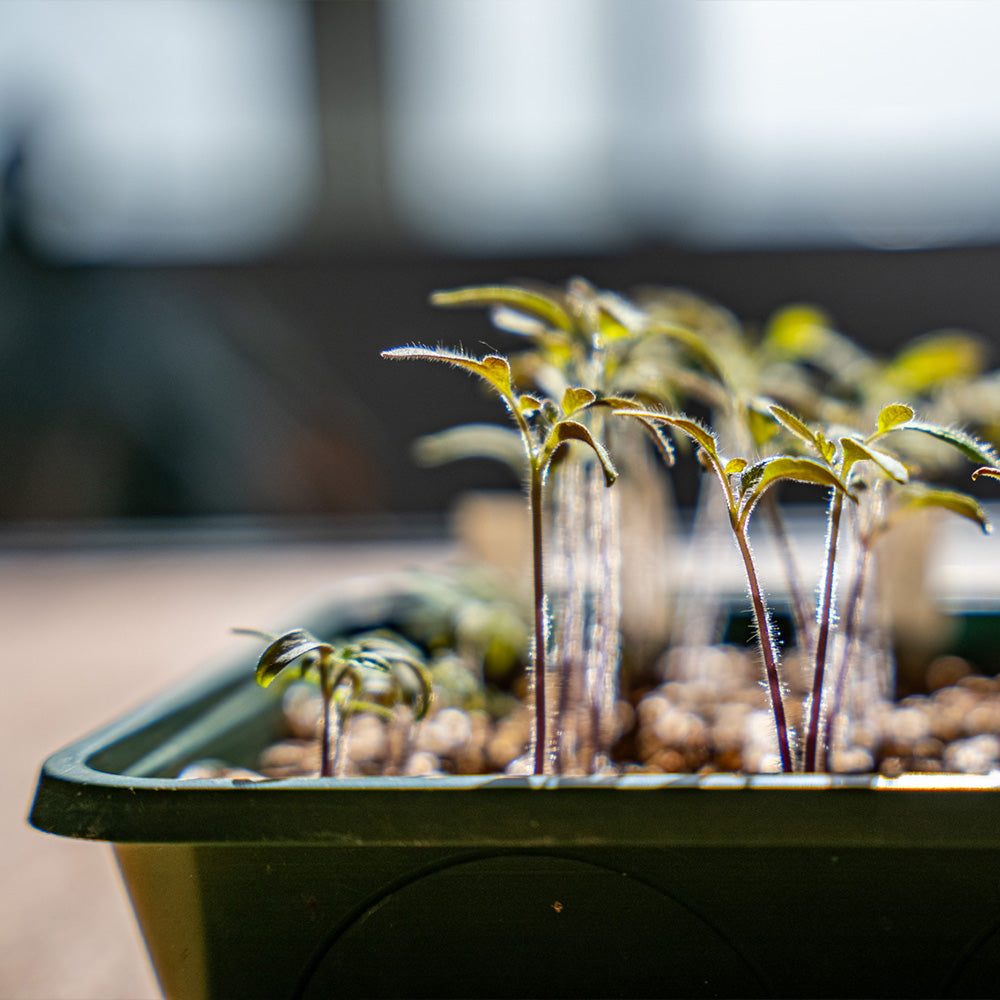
{"type": "Point", "coordinates": [576, 399]}
{"type": "Point", "coordinates": [988, 471]}
{"type": "Point", "coordinates": [764, 474]}
{"type": "Point", "coordinates": [657, 434]}
{"type": "Point", "coordinates": [892, 416]}
{"type": "Point", "coordinates": [735, 465]}
{"type": "Point", "coordinates": [521, 299]}
{"type": "Point", "coordinates": [288, 650]}
{"type": "Point", "coordinates": [800, 331]}
{"type": "Point", "coordinates": [503, 444]}
{"type": "Point", "coordinates": [693, 343]}
{"type": "Point", "coordinates": [760, 421]}
{"type": "Point", "coordinates": [970, 446]}
{"type": "Point", "coordinates": [790, 422]}
{"type": "Point", "coordinates": [527, 402]}
{"type": "Point", "coordinates": [493, 368]}
{"type": "Point", "coordinates": [827, 449]}
{"type": "Point", "coordinates": [857, 451]}
{"type": "Point", "coordinates": [935, 358]}
{"type": "Point", "coordinates": [570, 430]}
{"type": "Point", "coordinates": [701, 435]}
{"type": "Point", "coordinates": [958, 503]}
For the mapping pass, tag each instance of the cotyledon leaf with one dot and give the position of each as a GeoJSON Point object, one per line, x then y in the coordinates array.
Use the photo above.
{"type": "Point", "coordinates": [694, 343]}
{"type": "Point", "coordinates": [571, 430]}
{"type": "Point", "coordinates": [493, 368]}
{"type": "Point", "coordinates": [969, 445]}
{"type": "Point", "coordinates": [575, 398]}
{"type": "Point", "coordinates": [792, 423]}
{"type": "Point", "coordinates": [857, 451]}
{"type": "Point", "coordinates": [892, 416]}
{"type": "Point", "coordinates": [953, 500]}
{"type": "Point", "coordinates": [701, 435]}
{"type": "Point", "coordinates": [286, 651]}
{"type": "Point", "coordinates": [934, 358]}
{"type": "Point", "coordinates": [503, 444]}
{"type": "Point", "coordinates": [764, 474]}
{"type": "Point", "coordinates": [511, 296]}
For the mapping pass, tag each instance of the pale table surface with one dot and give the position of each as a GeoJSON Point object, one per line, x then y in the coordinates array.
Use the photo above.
{"type": "Point", "coordinates": [74, 618]}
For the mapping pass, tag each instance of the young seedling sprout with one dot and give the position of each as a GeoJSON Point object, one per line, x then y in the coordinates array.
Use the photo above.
{"type": "Point", "coordinates": [743, 485]}
{"type": "Point", "coordinates": [545, 429]}
{"type": "Point", "coordinates": [343, 672]}
{"type": "Point", "coordinates": [587, 338]}
{"type": "Point", "coordinates": [843, 458]}
{"type": "Point", "coordinates": [908, 499]}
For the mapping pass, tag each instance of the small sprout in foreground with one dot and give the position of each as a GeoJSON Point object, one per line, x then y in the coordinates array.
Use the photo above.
{"type": "Point", "coordinates": [346, 673]}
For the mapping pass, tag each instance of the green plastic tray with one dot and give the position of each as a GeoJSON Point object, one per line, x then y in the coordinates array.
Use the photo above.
{"type": "Point", "coordinates": [511, 887]}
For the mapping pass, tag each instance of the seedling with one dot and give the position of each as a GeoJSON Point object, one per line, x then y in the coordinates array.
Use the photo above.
{"type": "Point", "coordinates": [545, 429]}
{"type": "Point", "coordinates": [343, 671]}
{"type": "Point", "coordinates": [743, 485]}
{"type": "Point", "coordinates": [595, 340]}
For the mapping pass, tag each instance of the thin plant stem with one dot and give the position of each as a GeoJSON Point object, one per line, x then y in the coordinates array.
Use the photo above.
{"type": "Point", "coordinates": [851, 628]}
{"type": "Point", "coordinates": [784, 546]}
{"type": "Point", "coordinates": [325, 757]}
{"type": "Point", "coordinates": [535, 501]}
{"type": "Point", "coordinates": [341, 721]}
{"type": "Point", "coordinates": [823, 631]}
{"type": "Point", "coordinates": [767, 649]}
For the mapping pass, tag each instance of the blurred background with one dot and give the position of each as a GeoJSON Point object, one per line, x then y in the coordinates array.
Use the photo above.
{"type": "Point", "coordinates": [216, 214]}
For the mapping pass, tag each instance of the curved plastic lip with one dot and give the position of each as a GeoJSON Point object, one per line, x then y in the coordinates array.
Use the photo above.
{"type": "Point", "coordinates": [91, 789]}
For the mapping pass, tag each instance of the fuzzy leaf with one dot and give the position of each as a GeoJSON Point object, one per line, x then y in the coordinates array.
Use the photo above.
{"type": "Point", "coordinates": [790, 422]}
{"type": "Point", "coordinates": [576, 399]}
{"type": "Point", "coordinates": [658, 435]}
{"type": "Point", "coordinates": [958, 503]}
{"type": "Point", "coordinates": [857, 451]}
{"type": "Point", "coordinates": [701, 435]}
{"type": "Point", "coordinates": [827, 449]}
{"type": "Point", "coordinates": [286, 651]}
{"type": "Point", "coordinates": [570, 430]}
{"type": "Point", "coordinates": [503, 444]}
{"type": "Point", "coordinates": [764, 474]}
{"type": "Point", "coordinates": [493, 368]}
{"type": "Point", "coordinates": [527, 402]}
{"type": "Point", "coordinates": [892, 416]}
{"type": "Point", "coordinates": [521, 299]}
{"type": "Point", "coordinates": [970, 446]}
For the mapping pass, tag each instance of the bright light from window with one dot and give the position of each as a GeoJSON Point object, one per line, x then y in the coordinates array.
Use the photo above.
{"type": "Point", "coordinates": [575, 123]}
{"type": "Point", "coordinates": [159, 130]}
{"type": "Point", "coordinates": [499, 114]}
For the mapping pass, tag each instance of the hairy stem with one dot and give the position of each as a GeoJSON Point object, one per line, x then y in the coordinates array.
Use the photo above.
{"type": "Point", "coordinates": [851, 628]}
{"type": "Point", "coordinates": [783, 543]}
{"type": "Point", "coordinates": [535, 502]}
{"type": "Point", "coordinates": [767, 649]}
{"type": "Point", "coordinates": [823, 631]}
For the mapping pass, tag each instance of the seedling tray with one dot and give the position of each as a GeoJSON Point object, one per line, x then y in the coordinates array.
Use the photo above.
{"type": "Point", "coordinates": [503, 887]}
